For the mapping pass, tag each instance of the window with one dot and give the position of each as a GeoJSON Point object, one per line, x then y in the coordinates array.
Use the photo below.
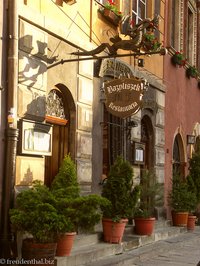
{"type": "Point", "coordinates": [157, 7]}
{"type": "Point", "coordinates": [157, 12]}
{"type": "Point", "coordinates": [102, 1]}
{"type": "Point", "coordinates": [178, 157]}
{"type": "Point", "coordinates": [138, 10]}
{"type": "Point", "coordinates": [190, 35]}
{"type": "Point", "coordinates": [116, 140]}
{"type": "Point", "coordinates": [175, 29]}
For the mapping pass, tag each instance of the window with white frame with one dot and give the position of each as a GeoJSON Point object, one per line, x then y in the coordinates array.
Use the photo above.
{"type": "Point", "coordinates": [139, 10]}
{"type": "Point", "coordinates": [102, 1]}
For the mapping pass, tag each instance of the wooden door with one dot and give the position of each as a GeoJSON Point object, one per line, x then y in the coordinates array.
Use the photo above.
{"type": "Point", "coordinates": [59, 150]}
{"type": "Point", "coordinates": [147, 138]}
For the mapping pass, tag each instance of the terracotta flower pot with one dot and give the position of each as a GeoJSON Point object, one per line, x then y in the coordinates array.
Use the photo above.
{"type": "Point", "coordinates": [113, 231]}
{"type": "Point", "coordinates": [65, 243]}
{"type": "Point", "coordinates": [41, 252]}
{"type": "Point", "coordinates": [179, 218]}
{"type": "Point", "coordinates": [191, 222]}
{"type": "Point", "coordinates": [144, 226]}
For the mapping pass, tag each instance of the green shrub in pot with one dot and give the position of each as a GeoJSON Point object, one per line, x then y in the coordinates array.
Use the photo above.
{"type": "Point", "coordinates": [119, 190]}
{"type": "Point", "coordinates": [84, 211]}
{"type": "Point", "coordinates": [36, 213]}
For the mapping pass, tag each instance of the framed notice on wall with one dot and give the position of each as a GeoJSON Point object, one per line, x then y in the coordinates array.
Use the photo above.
{"type": "Point", "coordinates": [138, 153]}
{"type": "Point", "coordinates": [35, 138]}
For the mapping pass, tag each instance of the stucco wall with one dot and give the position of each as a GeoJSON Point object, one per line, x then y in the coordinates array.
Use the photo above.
{"type": "Point", "coordinates": [182, 112]}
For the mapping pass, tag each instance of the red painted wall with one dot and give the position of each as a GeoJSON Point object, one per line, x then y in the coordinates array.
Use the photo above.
{"type": "Point", "coordinates": [182, 110]}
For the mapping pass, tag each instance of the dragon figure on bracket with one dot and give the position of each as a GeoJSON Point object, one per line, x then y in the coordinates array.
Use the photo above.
{"type": "Point", "coordinates": [142, 38]}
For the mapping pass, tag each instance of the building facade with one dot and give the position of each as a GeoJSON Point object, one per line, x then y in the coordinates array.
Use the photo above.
{"type": "Point", "coordinates": [57, 102]}
{"type": "Point", "coordinates": [182, 113]}
{"type": "Point", "coordinates": [69, 96]}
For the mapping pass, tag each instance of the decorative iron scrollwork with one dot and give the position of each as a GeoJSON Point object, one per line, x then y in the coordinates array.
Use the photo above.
{"type": "Point", "coordinates": [54, 105]}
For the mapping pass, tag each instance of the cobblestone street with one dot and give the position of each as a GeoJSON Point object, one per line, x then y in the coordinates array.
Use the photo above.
{"type": "Point", "coordinates": [183, 250]}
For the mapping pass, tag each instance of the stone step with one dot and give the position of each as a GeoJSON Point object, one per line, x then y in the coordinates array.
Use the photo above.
{"type": "Point", "coordinates": [162, 223]}
{"type": "Point", "coordinates": [130, 254]}
{"type": "Point", "coordinates": [87, 239]}
{"type": "Point", "coordinates": [88, 254]}
{"type": "Point", "coordinates": [89, 250]}
{"type": "Point", "coordinates": [131, 241]}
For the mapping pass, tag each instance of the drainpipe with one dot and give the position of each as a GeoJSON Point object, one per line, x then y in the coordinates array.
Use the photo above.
{"type": "Point", "coordinates": [7, 246]}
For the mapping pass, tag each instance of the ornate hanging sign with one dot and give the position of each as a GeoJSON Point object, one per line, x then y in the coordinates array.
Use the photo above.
{"type": "Point", "coordinates": [124, 96]}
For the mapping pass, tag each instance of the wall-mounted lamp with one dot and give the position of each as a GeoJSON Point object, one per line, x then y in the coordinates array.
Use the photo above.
{"type": "Point", "coordinates": [132, 124]}
{"type": "Point", "coordinates": [190, 139]}
{"type": "Point", "coordinates": [141, 62]}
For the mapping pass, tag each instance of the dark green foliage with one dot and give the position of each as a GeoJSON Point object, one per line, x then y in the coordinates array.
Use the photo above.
{"type": "Point", "coordinates": [119, 191]}
{"type": "Point", "coordinates": [37, 214]}
{"type": "Point", "coordinates": [194, 169]}
{"type": "Point", "coordinates": [151, 194]}
{"type": "Point", "coordinates": [48, 213]}
{"type": "Point", "coordinates": [88, 211]}
{"type": "Point", "coordinates": [84, 212]}
{"type": "Point", "coordinates": [193, 194]}
{"type": "Point", "coordinates": [181, 198]}
{"type": "Point", "coordinates": [65, 182]}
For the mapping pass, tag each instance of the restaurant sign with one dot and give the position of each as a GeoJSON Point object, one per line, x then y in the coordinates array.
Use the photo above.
{"type": "Point", "coordinates": [124, 96]}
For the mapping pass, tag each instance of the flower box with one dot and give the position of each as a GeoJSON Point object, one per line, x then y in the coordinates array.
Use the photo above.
{"type": "Point", "coordinates": [55, 120]}
{"type": "Point", "coordinates": [150, 42]}
{"type": "Point", "coordinates": [110, 16]}
{"type": "Point", "coordinates": [191, 72]}
{"type": "Point", "coordinates": [178, 59]}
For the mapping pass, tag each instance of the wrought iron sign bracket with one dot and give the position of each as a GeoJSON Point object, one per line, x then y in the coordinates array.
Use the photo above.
{"type": "Point", "coordinates": [142, 42]}
{"type": "Point", "coordinates": [163, 51]}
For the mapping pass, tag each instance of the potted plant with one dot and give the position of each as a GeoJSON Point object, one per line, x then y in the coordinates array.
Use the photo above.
{"type": "Point", "coordinates": [110, 12]}
{"type": "Point", "coordinates": [194, 172]}
{"type": "Point", "coordinates": [150, 42]}
{"type": "Point", "coordinates": [192, 72]}
{"type": "Point", "coordinates": [181, 200]}
{"type": "Point", "coordinates": [83, 212]}
{"type": "Point", "coordinates": [119, 190]}
{"type": "Point", "coordinates": [194, 181]}
{"type": "Point", "coordinates": [178, 59]}
{"type": "Point", "coordinates": [65, 189]}
{"type": "Point", "coordinates": [150, 198]}
{"type": "Point", "coordinates": [48, 214]}
{"type": "Point", "coordinates": [36, 213]}
{"type": "Point", "coordinates": [193, 204]}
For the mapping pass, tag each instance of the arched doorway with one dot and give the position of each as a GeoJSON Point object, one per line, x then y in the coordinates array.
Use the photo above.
{"type": "Point", "coordinates": [116, 139]}
{"type": "Point", "coordinates": [147, 137]}
{"type": "Point", "coordinates": [61, 114]}
{"type": "Point", "coordinates": [178, 156]}
{"type": "Point", "coordinates": [197, 144]}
